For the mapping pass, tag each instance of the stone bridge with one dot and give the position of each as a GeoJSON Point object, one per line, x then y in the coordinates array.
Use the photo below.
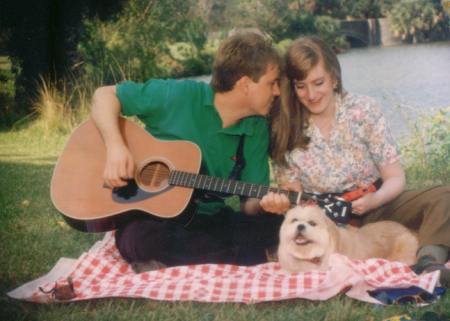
{"type": "Point", "coordinates": [368, 32]}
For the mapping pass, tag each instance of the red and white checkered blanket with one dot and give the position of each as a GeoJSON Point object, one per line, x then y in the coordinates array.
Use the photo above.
{"type": "Point", "coordinates": [103, 273]}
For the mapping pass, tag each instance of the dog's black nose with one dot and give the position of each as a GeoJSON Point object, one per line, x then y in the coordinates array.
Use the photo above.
{"type": "Point", "coordinates": [300, 227]}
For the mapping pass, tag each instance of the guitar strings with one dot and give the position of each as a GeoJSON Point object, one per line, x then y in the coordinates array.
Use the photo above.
{"type": "Point", "coordinates": [232, 185]}
{"type": "Point", "coordinates": [153, 174]}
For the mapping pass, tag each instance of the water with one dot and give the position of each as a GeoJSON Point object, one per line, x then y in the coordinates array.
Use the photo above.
{"type": "Point", "coordinates": [413, 75]}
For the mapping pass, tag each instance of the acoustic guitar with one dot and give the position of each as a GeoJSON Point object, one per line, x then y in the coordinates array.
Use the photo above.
{"type": "Point", "coordinates": [165, 178]}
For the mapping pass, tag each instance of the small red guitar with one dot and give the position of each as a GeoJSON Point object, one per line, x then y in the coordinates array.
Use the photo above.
{"type": "Point", "coordinates": [166, 175]}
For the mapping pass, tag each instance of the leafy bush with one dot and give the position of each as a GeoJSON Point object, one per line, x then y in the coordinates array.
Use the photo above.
{"type": "Point", "coordinates": [426, 156]}
{"type": "Point", "coordinates": [283, 45]}
{"type": "Point", "coordinates": [193, 61]}
{"type": "Point", "coordinates": [135, 46]}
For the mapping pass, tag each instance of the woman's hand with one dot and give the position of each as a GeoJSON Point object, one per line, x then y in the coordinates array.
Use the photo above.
{"type": "Point", "coordinates": [365, 203]}
{"type": "Point", "coordinates": [393, 185]}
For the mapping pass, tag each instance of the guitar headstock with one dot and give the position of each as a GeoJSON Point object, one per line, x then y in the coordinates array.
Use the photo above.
{"type": "Point", "coordinates": [336, 209]}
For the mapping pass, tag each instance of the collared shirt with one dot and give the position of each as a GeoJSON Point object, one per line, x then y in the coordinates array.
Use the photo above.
{"type": "Point", "coordinates": [360, 140]}
{"type": "Point", "coordinates": [184, 110]}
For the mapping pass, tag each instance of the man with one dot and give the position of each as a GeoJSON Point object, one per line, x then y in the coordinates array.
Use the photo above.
{"type": "Point", "coordinates": [215, 117]}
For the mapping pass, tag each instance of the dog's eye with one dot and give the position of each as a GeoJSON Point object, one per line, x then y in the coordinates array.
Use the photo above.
{"type": "Point", "coordinates": [312, 223]}
{"type": "Point", "coordinates": [294, 220]}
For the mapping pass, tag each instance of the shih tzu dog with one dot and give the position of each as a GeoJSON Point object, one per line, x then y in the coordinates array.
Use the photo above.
{"type": "Point", "coordinates": [308, 238]}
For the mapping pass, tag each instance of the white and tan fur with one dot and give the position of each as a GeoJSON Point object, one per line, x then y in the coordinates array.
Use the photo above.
{"type": "Point", "coordinates": [308, 238]}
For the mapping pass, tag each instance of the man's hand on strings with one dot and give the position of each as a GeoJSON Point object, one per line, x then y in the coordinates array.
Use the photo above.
{"type": "Point", "coordinates": [275, 203]}
{"type": "Point", "coordinates": [278, 202]}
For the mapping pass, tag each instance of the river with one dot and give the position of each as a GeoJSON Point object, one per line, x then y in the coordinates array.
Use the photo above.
{"type": "Point", "coordinates": [414, 75]}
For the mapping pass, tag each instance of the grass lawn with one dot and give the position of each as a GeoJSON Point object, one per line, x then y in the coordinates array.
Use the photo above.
{"type": "Point", "coordinates": [33, 236]}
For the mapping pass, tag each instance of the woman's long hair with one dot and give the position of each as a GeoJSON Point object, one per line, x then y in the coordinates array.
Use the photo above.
{"type": "Point", "coordinates": [288, 117]}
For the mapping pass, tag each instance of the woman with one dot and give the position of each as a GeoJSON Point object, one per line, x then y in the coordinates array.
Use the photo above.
{"type": "Point", "coordinates": [330, 141]}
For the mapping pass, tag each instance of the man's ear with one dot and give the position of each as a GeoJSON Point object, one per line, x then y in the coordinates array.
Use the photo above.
{"type": "Point", "coordinates": [243, 84]}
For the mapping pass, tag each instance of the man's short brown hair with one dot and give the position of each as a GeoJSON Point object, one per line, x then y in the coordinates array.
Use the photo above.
{"type": "Point", "coordinates": [243, 54]}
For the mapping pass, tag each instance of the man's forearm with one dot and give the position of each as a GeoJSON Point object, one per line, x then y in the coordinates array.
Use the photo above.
{"type": "Point", "coordinates": [105, 113]}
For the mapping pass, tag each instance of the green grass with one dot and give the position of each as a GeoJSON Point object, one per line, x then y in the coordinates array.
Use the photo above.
{"type": "Point", "coordinates": [33, 236]}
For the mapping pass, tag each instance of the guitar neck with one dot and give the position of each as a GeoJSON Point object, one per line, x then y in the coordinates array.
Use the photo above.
{"type": "Point", "coordinates": [228, 186]}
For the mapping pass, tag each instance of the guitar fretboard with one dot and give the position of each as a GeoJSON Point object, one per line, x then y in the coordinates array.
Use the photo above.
{"type": "Point", "coordinates": [228, 186]}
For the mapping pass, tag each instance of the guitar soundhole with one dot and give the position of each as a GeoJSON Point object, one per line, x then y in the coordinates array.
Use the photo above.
{"type": "Point", "coordinates": [154, 175]}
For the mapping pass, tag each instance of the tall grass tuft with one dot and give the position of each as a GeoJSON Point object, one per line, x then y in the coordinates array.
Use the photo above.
{"type": "Point", "coordinates": [426, 156]}
{"type": "Point", "coordinates": [62, 109]}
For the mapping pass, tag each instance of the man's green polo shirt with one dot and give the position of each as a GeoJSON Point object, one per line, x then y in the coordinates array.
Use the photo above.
{"type": "Point", "coordinates": [184, 110]}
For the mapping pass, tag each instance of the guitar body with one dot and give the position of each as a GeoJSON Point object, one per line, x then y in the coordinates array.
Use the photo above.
{"type": "Point", "coordinates": [79, 192]}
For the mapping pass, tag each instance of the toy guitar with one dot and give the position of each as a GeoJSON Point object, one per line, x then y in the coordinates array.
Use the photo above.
{"type": "Point", "coordinates": [163, 185]}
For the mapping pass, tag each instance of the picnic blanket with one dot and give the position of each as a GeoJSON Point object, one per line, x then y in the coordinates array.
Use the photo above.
{"type": "Point", "coordinates": [102, 273]}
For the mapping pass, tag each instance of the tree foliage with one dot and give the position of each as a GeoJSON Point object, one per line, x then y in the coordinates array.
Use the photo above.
{"type": "Point", "coordinates": [354, 9]}
{"type": "Point", "coordinates": [411, 17]}
{"type": "Point", "coordinates": [284, 19]}
{"type": "Point", "coordinates": [41, 38]}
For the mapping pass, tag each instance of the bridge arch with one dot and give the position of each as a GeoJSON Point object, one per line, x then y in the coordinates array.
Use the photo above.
{"type": "Point", "coordinates": [368, 32]}
{"type": "Point", "coordinates": [355, 39]}
{"type": "Point", "coordinates": [358, 32]}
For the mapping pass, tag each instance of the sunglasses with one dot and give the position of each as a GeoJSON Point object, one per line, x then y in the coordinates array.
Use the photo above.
{"type": "Point", "coordinates": [422, 297]}
{"type": "Point", "coordinates": [411, 295]}
{"type": "Point", "coordinates": [63, 293]}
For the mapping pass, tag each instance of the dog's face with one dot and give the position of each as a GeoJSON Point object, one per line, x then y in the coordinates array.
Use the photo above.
{"type": "Point", "coordinates": [306, 234]}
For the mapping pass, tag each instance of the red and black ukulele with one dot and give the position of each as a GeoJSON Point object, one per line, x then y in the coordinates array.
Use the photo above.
{"type": "Point", "coordinates": [165, 177]}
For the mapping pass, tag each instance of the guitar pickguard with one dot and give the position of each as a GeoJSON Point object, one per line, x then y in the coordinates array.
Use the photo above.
{"type": "Point", "coordinates": [131, 193]}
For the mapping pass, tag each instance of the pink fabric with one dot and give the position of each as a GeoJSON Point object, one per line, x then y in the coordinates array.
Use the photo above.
{"type": "Point", "coordinates": [103, 273]}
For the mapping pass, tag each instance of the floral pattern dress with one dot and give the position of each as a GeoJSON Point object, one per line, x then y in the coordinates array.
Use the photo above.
{"type": "Point", "coordinates": [360, 140]}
